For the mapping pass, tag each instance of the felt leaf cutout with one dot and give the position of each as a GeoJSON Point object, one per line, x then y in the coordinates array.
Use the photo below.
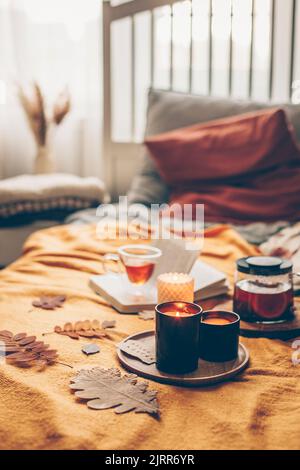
{"type": "Point", "coordinates": [137, 350]}
{"type": "Point", "coordinates": [106, 388]}
{"type": "Point", "coordinates": [147, 315]}
{"type": "Point", "coordinates": [108, 324]}
{"type": "Point", "coordinates": [49, 303]}
{"type": "Point", "coordinates": [84, 329]}
{"type": "Point", "coordinates": [23, 350]}
{"type": "Point", "coordinates": [90, 349]}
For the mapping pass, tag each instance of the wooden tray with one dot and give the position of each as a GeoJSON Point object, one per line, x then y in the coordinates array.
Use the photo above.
{"type": "Point", "coordinates": [208, 373]}
{"type": "Point", "coordinates": [286, 330]}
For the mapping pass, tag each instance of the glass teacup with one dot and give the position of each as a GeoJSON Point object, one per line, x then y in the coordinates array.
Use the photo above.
{"type": "Point", "coordinates": [139, 262]}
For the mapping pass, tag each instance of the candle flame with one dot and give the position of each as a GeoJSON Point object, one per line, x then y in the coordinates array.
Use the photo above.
{"type": "Point", "coordinates": [177, 314]}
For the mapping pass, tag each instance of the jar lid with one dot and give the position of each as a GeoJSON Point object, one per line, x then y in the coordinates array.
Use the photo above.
{"type": "Point", "coordinates": [264, 266]}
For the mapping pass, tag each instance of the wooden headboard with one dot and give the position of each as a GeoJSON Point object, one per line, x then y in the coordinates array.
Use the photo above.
{"type": "Point", "coordinates": [239, 48]}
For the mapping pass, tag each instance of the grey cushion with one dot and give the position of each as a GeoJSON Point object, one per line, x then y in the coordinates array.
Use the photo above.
{"type": "Point", "coordinates": [168, 110]}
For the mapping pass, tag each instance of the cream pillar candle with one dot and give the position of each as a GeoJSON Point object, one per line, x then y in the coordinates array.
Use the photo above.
{"type": "Point", "coordinates": [175, 287]}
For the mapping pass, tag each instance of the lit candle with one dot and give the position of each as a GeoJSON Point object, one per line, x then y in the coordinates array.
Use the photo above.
{"type": "Point", "coordinates": [177, 337]}
{"type": "Point", "coordinates": [175, 287]}
{"type": "Point", "coordinates": [219, 336]}
{"type": "Point", "coordinates": [216, 320]}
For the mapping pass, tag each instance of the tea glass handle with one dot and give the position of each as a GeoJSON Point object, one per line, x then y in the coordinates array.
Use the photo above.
{"type": "Point", "coordinates": [110, 257]}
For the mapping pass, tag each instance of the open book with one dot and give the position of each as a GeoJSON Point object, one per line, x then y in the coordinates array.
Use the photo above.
{"type": "Point", "coordinates": [115, 288]}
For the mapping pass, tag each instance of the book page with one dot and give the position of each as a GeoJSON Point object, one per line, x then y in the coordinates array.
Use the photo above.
{"type": "Point", "coordinates": [175, 258]}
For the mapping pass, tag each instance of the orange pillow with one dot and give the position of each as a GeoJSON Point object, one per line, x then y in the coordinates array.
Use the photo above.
{"type": "Point", "coordinates": [227, 149]}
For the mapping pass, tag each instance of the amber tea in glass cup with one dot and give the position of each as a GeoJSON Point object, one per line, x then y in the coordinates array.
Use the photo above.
{"type": "Point", "coordinates": [139, 262]}
{"type": "Point", "coordinates": [264, 289]}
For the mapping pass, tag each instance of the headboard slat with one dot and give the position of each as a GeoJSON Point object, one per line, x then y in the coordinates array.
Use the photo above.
{"type": "Point", "coordinates": [134, 7]}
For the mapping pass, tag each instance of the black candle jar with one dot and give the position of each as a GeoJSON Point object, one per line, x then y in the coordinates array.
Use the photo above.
{"type": "Point", "coordinates": [219, 336]}
{"type": "Point", "coordinates": [177, 337]}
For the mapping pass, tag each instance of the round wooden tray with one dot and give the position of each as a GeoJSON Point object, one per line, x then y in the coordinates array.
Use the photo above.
{"type": "Point", "coordinates": [286, 330]}
{"type": "Point", "coordinates": [208, 373]}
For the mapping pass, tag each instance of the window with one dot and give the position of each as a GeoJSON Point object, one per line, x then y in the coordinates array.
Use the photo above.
{"type": "Point", "coordinates": [238, 48]}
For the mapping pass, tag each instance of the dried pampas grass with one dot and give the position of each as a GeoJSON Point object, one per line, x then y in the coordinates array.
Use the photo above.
{"type": "Point", "coordinates": [61, 107]}
{"type": "Point", "coordinates": [35, 111]}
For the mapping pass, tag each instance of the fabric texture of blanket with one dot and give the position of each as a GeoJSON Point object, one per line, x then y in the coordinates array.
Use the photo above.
{"type": "Point", "coordinates": [25, 198]}
{"type": "Point", "coordinates": [258, 409]}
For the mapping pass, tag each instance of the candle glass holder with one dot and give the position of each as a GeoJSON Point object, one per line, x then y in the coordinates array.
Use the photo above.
{"type": "Point", "coordinates": [175, 287]}
{"type": "Point", "coordinates": [219, 336]}
{"type": "Point", "coordinates": [177, 337]}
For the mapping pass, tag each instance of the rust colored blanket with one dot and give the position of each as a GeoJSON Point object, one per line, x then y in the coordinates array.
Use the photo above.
{"type": "Point", "coordinates": [259, 409]}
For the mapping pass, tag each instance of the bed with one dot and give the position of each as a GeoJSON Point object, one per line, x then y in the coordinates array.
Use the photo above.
{"type": "Point", "coordinates": [169, 110]}
{"type": "Point", "coordinates": [257, 410]}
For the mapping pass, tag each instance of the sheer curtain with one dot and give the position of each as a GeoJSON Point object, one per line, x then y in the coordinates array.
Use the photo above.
{"type": "Point", "coordinates": [56, 43]}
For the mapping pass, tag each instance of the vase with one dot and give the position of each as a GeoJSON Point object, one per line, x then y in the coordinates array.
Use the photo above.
{"type": "Point", "coordinates": [44, 161]}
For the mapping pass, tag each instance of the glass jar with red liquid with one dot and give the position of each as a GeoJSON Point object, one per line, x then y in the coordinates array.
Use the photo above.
{"type": "Point", "coordinates": [264, 289]}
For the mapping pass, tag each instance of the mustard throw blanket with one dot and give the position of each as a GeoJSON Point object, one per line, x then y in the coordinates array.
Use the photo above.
{"type": "Point", "coordinates": [257, 410]}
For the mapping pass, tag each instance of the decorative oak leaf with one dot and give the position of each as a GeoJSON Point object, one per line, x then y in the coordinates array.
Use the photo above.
{"type": "Point", "coordinates": [106, 388]}
{"type": "Point", "coordinates": [85, 329]}
{"type": "Point", "coordinates": [49, 303]}
{"type": "Point", "coordinates": [23, 350]}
